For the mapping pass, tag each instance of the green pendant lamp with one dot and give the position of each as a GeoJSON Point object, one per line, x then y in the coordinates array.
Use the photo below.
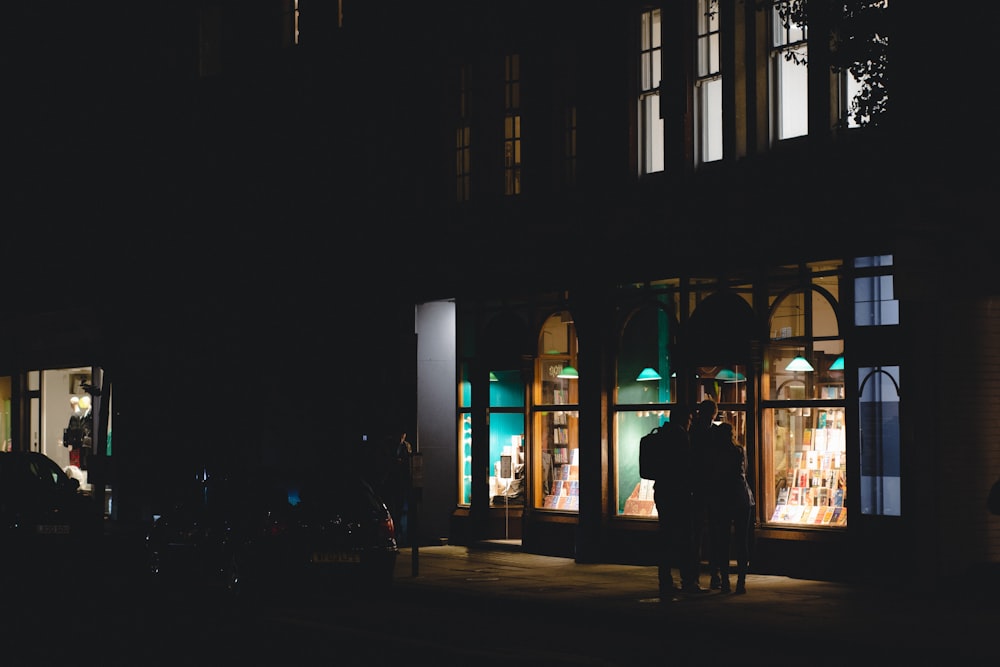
{"type": "Point", "coordinates": [568, 373]}
{"type": "Point", "coordinates": [799, 363]}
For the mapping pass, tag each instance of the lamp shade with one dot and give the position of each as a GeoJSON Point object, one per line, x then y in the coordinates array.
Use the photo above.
{"type": "Point", "coordinates": [838, 364]}
{"type": "Point", "coordinates": [493, 377]}
{"type": "Point", "coordinates": [647, 374]}
{"type": "Point", "coordinates": [729, 375]}
{"type": "Point", "coordinates": [799, 363]}
{"type": "Point", "coordinates": [568, 373]}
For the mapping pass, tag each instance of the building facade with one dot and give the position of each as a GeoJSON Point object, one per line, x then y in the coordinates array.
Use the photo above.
{"type": "Point", "coordinates": [595, 211]}
{"type": "Point", "coordinates": [696, 191]}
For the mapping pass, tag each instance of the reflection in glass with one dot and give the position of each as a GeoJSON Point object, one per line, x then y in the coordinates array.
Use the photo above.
{"type": "Point", "coordinates": [880, 441]}
{"type": "Point", "coordinates": [635, 495]}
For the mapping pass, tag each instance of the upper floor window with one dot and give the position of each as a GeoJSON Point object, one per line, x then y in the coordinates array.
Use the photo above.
{"type": "Point", "coordinates": [650, 121]}
{"type": "Point", "coordinates": [290, 21]}
{"type": "Point", "coordinates": [789, 70]}
{"type": "Point", "coordinates": [861, 51]}
{"type": "Point", "coordinates": [708, 84]}
{"type": "Point", "coordinates": [210, 31]}
{"type": "Point", "coordinates": [569, 151]}
{"type": "Point", "coordinates": [512, 125]}
{"type": "Point", "coordinates": [463, 136]}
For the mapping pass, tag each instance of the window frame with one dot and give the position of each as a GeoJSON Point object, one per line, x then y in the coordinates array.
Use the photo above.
{"type": "Point", "coordinates": [631, 417]}
{"type": "Point", "coordinates": [512, 125]}
{"type": "Point", "coordinates": [803, 444]}
{"type": "Point", "coordinates": [650, 127]}
{"type": "Point", "coordinates": [788, 47]}
{"type": "Point", "coordinates": [708, 107]}
{"type": "Point", "coordinates": [463, 140]}
{"type": "Point", "coordinates": [555, 408]}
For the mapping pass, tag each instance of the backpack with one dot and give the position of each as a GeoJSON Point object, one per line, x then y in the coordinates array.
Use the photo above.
{"type": "Point", "coordinates": [652, 448]}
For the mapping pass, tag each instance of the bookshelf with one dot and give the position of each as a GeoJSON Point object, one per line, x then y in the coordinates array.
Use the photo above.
{"type": "Point", "coordinates": [814, 484]}
{"type": "Point", "coordinates": [564, 492]}
{"type": "Point", "coordinates": [557, 487]}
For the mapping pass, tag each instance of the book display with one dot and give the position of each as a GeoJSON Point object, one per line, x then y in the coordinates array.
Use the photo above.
{"type": "Point", "coordinates": [556, 429]}
{"type": "Point", "coordinates": [812, 488]}
{"type": "Point", "coordinates": [640, 502]}
{"type": "Point", "coordinates": [558, 487]}
{"type": "Point", "coordinates": [564, 491]}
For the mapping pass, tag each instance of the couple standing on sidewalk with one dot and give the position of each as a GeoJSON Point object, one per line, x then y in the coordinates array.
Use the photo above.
{"type": "Point", "coordinates": [703, 472]}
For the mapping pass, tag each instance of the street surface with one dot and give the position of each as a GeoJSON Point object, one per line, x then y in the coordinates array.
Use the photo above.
{"type": "Point", "coordinates": [486, 608]}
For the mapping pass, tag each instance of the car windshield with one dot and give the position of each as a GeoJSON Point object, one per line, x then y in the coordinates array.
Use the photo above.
{"type": "Point", "coordinates": [317, 489]}
{"type": "Point", "coordinates": [278, 489]}
{"type": "Point", "coordinates": [29, 470]}
{"type": "Point", "coordinates": [46, 471]}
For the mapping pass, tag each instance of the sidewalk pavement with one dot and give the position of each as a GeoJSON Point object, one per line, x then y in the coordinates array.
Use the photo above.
{"type": "Point", "coordinates": [942, 624]}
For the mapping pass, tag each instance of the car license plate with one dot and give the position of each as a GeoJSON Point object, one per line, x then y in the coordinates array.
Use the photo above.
{"type": "Point", "coordinates": [50, 529]}
{"type": "Point", "coordinates": [336, 557]}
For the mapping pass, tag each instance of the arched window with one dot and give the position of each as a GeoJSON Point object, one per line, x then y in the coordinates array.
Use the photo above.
{"type": "Point", "coordinates": [878, 396]}
{"type": "Point", "coordinates": [505, 341]}
{"type": "Point", "coordinates": [645, 389]}
{"type": "Point", "coordinates": [804, 451]}
{"type": "Point", "coordinates": [556, 417]}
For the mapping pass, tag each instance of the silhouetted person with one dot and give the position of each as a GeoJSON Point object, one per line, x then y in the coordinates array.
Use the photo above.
{"type": "Point", "coordinates": [701, 434]}
{"type": "Point", "coordinates": [397, 481]}
{"type": "Point", "coordinates": [672, 493]}
{"type": "Point", "coordinates": [732, 521]}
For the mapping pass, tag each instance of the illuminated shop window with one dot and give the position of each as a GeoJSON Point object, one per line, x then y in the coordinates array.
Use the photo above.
{"type": "Point", "coordinates": [804, 451]}
{"type": "Point", "coordinates": [506, 417]}
{"type": "Point", "coordinates": [465, 458]}
{"type": "Point", "coordinates": [464, 435]}
{"type": "Point", "coordinates": [555, 419]}
{"type": "Point", "coordinates": [645, 390]}
{"type": "Point", "coordinates": [506, 424]}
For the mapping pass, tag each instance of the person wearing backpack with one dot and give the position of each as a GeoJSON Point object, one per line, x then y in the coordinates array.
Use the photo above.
{"type": "Point", "coordinates": [675, 508]}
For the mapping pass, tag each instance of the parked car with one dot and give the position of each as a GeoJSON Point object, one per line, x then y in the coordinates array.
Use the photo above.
{"type": "Point", "coordinates": [43, 514]}
{"type": "Point", "coordinates": [276, 530]}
